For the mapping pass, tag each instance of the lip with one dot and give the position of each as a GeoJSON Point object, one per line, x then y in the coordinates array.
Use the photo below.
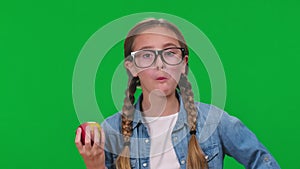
{"type": "Point", "coordinates": [161, 78]}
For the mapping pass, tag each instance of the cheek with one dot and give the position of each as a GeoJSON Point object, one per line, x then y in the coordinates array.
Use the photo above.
{"type": "Point", "coordinates": [145, 74]}
{"type": "Point", "coordinates": [174, 72]}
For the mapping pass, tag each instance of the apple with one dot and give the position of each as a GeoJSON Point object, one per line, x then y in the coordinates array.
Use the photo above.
{"type": "Point", "coordinates": [92, 125]}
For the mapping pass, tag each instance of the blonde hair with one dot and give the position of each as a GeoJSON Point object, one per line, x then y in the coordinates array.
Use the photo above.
{"type": "Point", "coordinates": [195, 158]}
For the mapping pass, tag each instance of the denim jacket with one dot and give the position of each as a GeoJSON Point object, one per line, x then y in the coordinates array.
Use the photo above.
{"type": "Point", "coordinates": [218, 134]}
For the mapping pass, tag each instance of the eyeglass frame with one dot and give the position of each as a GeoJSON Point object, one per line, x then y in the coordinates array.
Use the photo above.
{"type": "Point", "coordinates": [158, 52]}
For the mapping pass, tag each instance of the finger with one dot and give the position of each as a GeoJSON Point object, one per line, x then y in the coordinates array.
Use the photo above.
{"type": "Point", "coordinates": [96, 137]}
{"type": "Point", "coordinates": [87, 138]}
{"type": "Point", "coordinates": [78, 139]}
{"type": "Point", "coordinates": [102, 142]}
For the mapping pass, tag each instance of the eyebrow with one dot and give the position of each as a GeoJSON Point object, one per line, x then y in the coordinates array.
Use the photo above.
{"type": "Point", "coordinates": [164, 46]}
{"type": "Point", "coordinates": [170, 45]}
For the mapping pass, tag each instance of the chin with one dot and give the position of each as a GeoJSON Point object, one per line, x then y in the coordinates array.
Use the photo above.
{"type": "Point", "coordinates": [164, 92]}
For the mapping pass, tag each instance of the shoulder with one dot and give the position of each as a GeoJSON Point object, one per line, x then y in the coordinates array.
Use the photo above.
{"type": "Point", "coordinates": [112, 123]}
{"type": "Point", "coordinates": [213, 114]}
{"type": "Point", "coordinates": [214, 119]}
{"type": "Point", "coordinates": [209, 113]}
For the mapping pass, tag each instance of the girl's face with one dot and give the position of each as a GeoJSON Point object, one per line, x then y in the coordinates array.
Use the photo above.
{"type": "Point", "coordinates": [160, 76]}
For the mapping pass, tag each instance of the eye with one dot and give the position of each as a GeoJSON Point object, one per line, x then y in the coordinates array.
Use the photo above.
{"type": "Point", "coordinates": [169, 53]}
{"type": "Point", "coordinates": [146, 55]}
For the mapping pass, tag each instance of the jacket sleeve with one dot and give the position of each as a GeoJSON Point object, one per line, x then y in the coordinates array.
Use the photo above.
{"type": "Point", "coordinates": [109, 159]}
{"type": "Point", "coordinates": [240, 143]}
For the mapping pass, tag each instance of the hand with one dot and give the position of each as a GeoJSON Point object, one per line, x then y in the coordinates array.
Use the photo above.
{"type": "Point", "coordinates": [93, 156]}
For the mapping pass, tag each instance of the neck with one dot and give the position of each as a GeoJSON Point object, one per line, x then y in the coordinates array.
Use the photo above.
{"type": "Point", "coordinates": [157, 104]}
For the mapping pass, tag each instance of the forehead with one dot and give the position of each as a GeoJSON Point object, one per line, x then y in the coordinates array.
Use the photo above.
{"type": "Point", "coordinates": [156, 37]}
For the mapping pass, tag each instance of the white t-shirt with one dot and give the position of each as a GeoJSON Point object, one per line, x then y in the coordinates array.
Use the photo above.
{"type": "Point", "coordinates": [162, 153]}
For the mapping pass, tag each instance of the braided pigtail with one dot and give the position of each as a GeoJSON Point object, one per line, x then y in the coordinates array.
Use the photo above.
{"type": "Point", "coordinates": [196, 158]}
{"type": "Point", "coordinates": [123, 160]}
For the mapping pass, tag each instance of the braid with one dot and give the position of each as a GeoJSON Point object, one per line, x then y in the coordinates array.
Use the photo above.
{"type": "Point", "coordinates": [123, 160]}
{"type": "Point", "coordinates": [196, 158]}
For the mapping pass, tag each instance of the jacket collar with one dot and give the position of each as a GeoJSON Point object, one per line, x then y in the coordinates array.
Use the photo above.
{"type": "Point", "coordinates": [182, 115]}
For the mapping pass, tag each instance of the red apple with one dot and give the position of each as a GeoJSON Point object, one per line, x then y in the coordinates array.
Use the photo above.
{"type": "Point", "coordinates": [83, 134]}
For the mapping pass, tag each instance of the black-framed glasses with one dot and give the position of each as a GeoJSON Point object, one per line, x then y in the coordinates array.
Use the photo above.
{"type": "Point", "coordinates": [145, 58]}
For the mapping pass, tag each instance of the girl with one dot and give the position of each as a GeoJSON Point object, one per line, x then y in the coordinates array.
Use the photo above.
{"type": "Point", "coordinates": [165, 128]}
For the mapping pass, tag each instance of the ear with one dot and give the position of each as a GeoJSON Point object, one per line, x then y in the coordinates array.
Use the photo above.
{"type": "Point", "coordinates": [184, 64]}
{"type": "Point", "coordinates": [130, 66]}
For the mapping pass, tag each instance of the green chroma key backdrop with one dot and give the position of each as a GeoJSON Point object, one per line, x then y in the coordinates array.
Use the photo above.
{"type": "Point", "coordinates": [257, 43]}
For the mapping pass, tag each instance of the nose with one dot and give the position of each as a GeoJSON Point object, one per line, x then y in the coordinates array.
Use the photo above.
{"type": "Point", "coordinates": [159, 62]}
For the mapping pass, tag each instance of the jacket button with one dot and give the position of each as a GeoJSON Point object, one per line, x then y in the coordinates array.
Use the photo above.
{"type": "Point", "coordinates": [182, 161]}
{"type": "Point", "coordinates": [266, 159]}
{"type": "Point", "coordinates": [145, 164]}
{"type": "Point", "coordinates": [147, 140]}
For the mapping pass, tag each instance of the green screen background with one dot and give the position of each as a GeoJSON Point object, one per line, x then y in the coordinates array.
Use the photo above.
{"type": "Point", "coordinates": [257, 42]}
